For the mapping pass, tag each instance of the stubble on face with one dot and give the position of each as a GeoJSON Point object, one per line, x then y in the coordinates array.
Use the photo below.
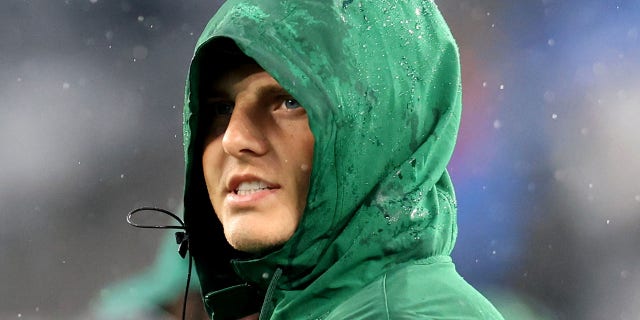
{"type": "Point", "coordinates": [265, 144]}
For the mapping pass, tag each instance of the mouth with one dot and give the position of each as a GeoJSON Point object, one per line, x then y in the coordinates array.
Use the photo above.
{"type": "Point", "coordinates": [249, 187]}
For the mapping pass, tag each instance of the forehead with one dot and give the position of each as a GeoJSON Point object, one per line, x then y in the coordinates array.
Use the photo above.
{"type": "Point", "coordinates": [230, 79]}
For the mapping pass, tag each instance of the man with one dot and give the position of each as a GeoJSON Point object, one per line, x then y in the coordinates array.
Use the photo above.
{"type": "Point", "coordinates": [317, 136]}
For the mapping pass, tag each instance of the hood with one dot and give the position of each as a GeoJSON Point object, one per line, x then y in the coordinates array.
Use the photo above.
{"type": "Point", "coordinates": [380, 82]}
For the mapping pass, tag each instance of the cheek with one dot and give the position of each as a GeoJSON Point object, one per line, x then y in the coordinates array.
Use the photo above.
{"type": "Point", "coordinates": [210, 165]}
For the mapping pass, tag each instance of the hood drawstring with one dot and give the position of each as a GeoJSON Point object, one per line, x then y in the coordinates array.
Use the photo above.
{"type": "Point", "coordinates": [182, 239]}
{"type": "Point", "coordinates": [267, 305]}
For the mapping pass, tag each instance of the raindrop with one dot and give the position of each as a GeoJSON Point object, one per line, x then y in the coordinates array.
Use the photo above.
{"type": "Point", "coordinates": [590, 185]}
{"type": "Point", "coordinates": [584, 131]}
{"type": "Point", "coordinates": [122, 176]}
{"type": "Point", "coordinates": [19, 79]}
{"type": "Point", "coordinates": [140, 52]}
{"type": "Point", "coordinates": [599, 68]}
{"type": "Point", "coordinates": [637, 198]}
{"type": "Point", "coordinates": [265, 275]}
{"type": "Point", "coordinates": [502, 87]}
{"type": "Point", "coordinates": [559, 175]}
{"type": "Point", "coordinates": [37, 309]}
{"type": "Point", "coordinates": [125, 6]}
{"type": "Point", "coordinates": [65, 85]}
{"type": "Point", "coordinates": [608, 221]}
{"type": "Point", "coordinates": [140, 18]}
{"type": "Point", "coordinates": [19, 315]}
{"type": "Point", "coordinates": [93, 1]}
{"type": "Point", "coordinates": [554, 116]}
{"type": "Point", "coordinates": [493, 252]}
{"type": "Point", "coordinates": [551, 42]}
{"type": "Point", "coordinates": [109, 35]}
{"type": "Point", "coordinates": [484, 84]}
{"type": "Point", "coordinates": [497, 124]}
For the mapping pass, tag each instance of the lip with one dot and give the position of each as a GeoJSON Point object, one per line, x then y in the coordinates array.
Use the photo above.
{"type": "Point", "coordinates": [234, 200]}
{"type": "Point", "coordinates": [236, 180]}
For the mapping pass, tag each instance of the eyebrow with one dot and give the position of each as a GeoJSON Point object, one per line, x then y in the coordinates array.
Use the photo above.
{"type": "Point", "coordinates": [272, 89]}
{"type": "Point", "coordinates": [263, 91]}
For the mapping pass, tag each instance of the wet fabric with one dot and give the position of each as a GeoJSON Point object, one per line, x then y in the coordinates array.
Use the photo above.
{"type": "Point", "coordinates": [380, 82]}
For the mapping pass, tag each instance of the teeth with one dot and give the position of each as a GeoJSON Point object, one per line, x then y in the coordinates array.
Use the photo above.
{"type": "Point", "coordinates": [250, 187]}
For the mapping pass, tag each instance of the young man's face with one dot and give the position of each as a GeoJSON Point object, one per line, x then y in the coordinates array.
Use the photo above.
{"type": "Point", "coordinates": [257, 159]}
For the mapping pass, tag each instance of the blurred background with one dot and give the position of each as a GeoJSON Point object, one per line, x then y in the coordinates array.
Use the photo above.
{"type": "Point", "coordinates": [547, 166]}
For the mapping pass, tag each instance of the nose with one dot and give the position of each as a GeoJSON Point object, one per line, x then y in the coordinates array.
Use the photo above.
{"type": "Point", "coordinates": [245, 135]}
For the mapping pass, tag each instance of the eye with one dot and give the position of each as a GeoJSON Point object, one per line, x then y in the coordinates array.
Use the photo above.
{"type": "Point", "coordinates": [217, 115]}
{"type": "Point", "coordinates": [291, 104]}
{"type": "Point", "coordinates": [222, 108]}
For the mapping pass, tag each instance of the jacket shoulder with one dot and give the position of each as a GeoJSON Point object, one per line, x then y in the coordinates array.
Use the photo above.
{"type": "Point", "coordinates": [419, 290]}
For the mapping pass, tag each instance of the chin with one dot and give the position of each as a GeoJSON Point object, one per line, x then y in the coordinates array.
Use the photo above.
{"type": "Point", "coordinates": [256, 243]}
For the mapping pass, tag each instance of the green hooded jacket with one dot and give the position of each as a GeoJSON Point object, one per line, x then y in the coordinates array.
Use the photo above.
{"type": "Point", "coordinates": [380, 82]}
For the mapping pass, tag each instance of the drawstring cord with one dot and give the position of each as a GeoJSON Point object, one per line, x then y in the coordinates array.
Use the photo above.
{"type": "Point", "coordinates": [182, 239]}
{"type": "Point", "coordinates": [267, 305]}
